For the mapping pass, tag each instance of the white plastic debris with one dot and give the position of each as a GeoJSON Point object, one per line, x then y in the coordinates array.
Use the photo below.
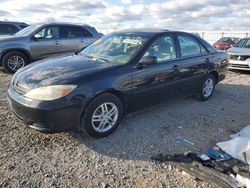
{"type": "Point", "coordinates": [239, 146]}
{"type": "Point", "coordinates": [245, 132]}
{"type": "Point", "coordinates": [243, 181]}
{"type": "Point", "coordinates": [240, 181]}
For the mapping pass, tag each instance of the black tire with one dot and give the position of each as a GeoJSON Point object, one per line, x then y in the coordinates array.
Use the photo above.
{"type": "Point", "coordinates": [86, 120]}
{"type": "Point", "coordinates": [202, 94]}
{"type": "Point", "coordinates": [8, 56]}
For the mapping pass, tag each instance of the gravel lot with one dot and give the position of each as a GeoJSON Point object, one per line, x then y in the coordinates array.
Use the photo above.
{"type": "Point", "coordinates": [32, 159]}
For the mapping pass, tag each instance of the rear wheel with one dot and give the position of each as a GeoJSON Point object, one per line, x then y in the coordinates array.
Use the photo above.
{"type": "Point", "coordinates": [102, 115]}
{"type": "Point", "coordinates": [207, 88]}
{"type": "Point", "coordinates": [13, 61]}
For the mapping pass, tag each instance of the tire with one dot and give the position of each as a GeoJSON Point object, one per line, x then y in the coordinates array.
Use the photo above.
{"type": "Point", "coordinates": [13, 61]}
{"type": "Point", "coordinates": [204, 94]}
{"type": "Point", "coordinates": [90, 125]}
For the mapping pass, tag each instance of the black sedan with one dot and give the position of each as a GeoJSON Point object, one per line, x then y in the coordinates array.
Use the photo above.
{"type": "Point", "coordinates": [121, 73]}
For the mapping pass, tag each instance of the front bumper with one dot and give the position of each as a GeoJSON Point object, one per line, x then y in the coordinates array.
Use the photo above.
{"type": "Point", "coordinates": [239, 65]}
{"type": "Point", "coordinates": [46, 116]}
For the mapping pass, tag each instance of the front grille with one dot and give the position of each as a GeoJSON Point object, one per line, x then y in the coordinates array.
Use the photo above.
{"type": "Point", "coordinates": [240, 66]}
{"type": "Point", "coordinates": [239, 57]}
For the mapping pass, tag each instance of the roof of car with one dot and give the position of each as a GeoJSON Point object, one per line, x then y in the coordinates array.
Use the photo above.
{"type": "Point", "coordinates": [149, 32]}
{"type": "Point", "coordinates": [61, 23]}
{"type": "Point", "coordinates": [143, 31]}
{"type": "Point", "coordinates": [8, 22]}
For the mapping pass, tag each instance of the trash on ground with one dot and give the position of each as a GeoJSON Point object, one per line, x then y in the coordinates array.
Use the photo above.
{"type": "Point", "coordinates": [221, 130]}
{"type": "Point", "coordinates": [239, 146]}
{"type": "Point", "coordinates": [203, 170]}
{"type": "Point", "coordinates": [203, 157]}
{"type": "Point", "coordinates": [217, 155]}
{"type": "Point", "coordinates": [245, 132]}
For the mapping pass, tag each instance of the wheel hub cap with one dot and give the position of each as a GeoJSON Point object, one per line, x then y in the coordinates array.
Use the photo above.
{"type": "Point", "coordinates": [105, 117]}
{"type": "Point", "coordinates": [16, 62]}
{"type": "Point", "coordinates": [208, 87]}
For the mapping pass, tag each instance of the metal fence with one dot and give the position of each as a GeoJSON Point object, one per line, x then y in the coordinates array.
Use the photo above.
{"type": "Point", "coordinates": [212, 37]}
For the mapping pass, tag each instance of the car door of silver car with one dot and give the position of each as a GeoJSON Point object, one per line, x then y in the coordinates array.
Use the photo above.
{"type": "Point", "coordinates": [74, 38]}
{"type": "Point", "coordinates": [45, 43]}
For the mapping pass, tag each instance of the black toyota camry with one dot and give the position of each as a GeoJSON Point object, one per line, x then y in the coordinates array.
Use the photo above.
{"type": "Point", "coordinates": [120, 73]}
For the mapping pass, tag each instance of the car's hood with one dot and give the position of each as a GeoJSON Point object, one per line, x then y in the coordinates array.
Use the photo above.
{"type": "Point", "coordinates": [239, 51]}
{"type": "Point", "coordinates": [10, 38]}
{"type": "Point", "coordinates": [60, 70]}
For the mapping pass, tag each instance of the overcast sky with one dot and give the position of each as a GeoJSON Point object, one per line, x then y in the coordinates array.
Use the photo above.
{"type": "Point", "coordinates": [111, 14]}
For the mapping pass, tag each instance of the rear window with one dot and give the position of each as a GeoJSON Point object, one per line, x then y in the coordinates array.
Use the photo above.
{"type": "Point", "coordinates": [243, 43]}
{"type": "Point", "coordinates": [23, 26]}
{"type": "Point", "coordinates": [73, 31]}
{"type": "Point", "coordinates": [225, 39]}
{"type": "Point", "coordinates": [8, 29]}
{"type": "Point", "coordinates": [189, 46]}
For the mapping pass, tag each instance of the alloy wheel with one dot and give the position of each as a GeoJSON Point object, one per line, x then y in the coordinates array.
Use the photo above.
{"type": "Point", "coordinates": [16, 62]}
{"type": "Point", "coordinates": [105, 117]}
{"type": "Point", "coordinates": [208, 87]}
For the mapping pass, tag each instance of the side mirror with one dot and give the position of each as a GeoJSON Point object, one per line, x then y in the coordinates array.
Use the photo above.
{"type": "Point", "coordinates": [36, 36]}
{"type": "Point", "coordinates": [148, 60]}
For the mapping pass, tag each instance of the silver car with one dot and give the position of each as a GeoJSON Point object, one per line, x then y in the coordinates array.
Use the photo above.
{"type": "Point", "coordinates": [43, 40]}
{"type": "Point", "coordinates": [239, 55]}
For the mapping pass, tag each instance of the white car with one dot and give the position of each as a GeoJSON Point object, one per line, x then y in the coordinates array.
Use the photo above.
{"type": "Point", "coordinates": [239, 55]}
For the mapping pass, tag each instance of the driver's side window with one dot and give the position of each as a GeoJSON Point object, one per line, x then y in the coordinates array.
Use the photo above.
{"type": "Point", "coordinates": [50, 32]}
{"type": "Point", "coordinates": [163, 49]}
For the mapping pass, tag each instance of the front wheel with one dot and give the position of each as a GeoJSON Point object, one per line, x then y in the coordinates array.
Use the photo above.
{"type": "Point", "coordinates": [13, 61]}
{"type": "Point", "coordinates": [207, 88]}
{"type": "Point", "coordinates": [102, 115]}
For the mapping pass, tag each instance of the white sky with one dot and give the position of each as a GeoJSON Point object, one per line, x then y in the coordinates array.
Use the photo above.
{"type": "Point", "coordinates": [111, 14]}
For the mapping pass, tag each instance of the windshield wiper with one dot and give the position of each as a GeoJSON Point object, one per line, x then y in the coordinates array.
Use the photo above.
{"type": "Point", "coordinates": [89, 56]}
{"type": "Point", "coordinates": [105, 60]}
{"type": "Point", "coordinates": [96, 59]}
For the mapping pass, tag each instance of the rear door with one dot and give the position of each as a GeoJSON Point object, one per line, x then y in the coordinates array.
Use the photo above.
{"type": "Point", "coordinates": [152, 83]}
{"type": "Point", "coordinates": [45, 43]}
{"type": "Point", "coordinates": [74, 38]}
{"type": "Point", "coordinates": [193, 62]}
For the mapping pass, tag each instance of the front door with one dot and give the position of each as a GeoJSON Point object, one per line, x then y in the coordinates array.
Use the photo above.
{"type": "Point", "coordinates": [152, 83]}
{"type": "Point", "coordinates": [45, 43]}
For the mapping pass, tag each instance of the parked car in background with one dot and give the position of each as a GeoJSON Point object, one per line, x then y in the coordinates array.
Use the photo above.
{"type": "Point", "coordinates": [225, 43]}
{"type": "Point", "coordinates": [118, 74]}
{"type": "Point", "coordinates": [10, 28]}
{"type": "Point", "coordinates": [43, 40]}
{"type": "Point", "coordinates": [239, 55]}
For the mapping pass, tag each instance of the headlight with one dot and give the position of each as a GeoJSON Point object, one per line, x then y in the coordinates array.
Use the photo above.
{"type": "Point", "coordinates": [48, 93]}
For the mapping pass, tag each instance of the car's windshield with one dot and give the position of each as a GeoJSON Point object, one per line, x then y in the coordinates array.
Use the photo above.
{"type": "Point", "coordinates": [225, 39]}
{"type": "Point", "coordinates": [27, 31]}
{"type": "Point", "coordinates": [115, 48]}
{"type": "Point", "coordinates": [243, 43]}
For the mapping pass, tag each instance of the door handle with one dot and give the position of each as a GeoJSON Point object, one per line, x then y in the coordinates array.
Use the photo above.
{"type": "Point", "coordinates": [207, 60]}
{"type": "Point", "coordinates": [175, 67]}
{"type": "Point", "coordinates": [57, 42]}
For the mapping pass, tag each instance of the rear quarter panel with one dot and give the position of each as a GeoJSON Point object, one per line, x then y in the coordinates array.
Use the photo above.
{"type": "Point", "coordinates": [219, 63]}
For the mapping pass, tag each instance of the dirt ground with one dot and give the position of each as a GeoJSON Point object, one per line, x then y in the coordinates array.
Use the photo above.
{"type": "Point", "coordinates": [32, 159]}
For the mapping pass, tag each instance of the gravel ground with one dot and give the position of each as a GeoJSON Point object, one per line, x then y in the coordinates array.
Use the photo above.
{"type": "Point", "coordinates": [32, 159]}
